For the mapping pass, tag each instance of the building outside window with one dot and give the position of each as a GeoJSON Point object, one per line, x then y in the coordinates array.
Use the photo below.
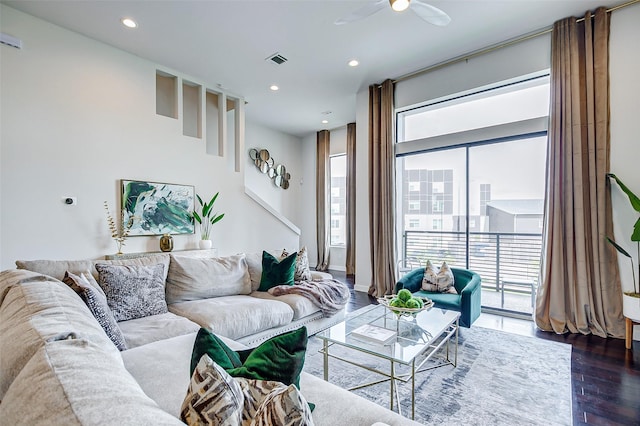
{"type": "Point", "coordinates": [478, 162]}
{"type": "Point", "coordinates": [338, 171]}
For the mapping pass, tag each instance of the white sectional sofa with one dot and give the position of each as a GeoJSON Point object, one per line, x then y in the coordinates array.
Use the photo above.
{"type": "Point", "coordinates": [58, 366]}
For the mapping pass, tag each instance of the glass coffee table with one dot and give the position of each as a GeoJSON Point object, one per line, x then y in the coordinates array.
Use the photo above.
{"type": "Point", "coordinates": [416, 341]}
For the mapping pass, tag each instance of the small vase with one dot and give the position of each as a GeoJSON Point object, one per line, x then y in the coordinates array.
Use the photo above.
{"type": "Point", "coordinates": [166, 242]}
{"type": "Point", "coordinates": [205, 244]}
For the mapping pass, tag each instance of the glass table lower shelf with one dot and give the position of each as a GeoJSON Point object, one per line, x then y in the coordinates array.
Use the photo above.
{"type": "Point", "coordinates": [414, 342]}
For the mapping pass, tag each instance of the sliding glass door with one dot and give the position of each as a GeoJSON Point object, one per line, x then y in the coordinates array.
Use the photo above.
{"type": "Point", "coordinates": [470, 186]}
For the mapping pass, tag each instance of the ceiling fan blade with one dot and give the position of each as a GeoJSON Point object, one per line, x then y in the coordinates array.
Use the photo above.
{"type": "Point", "coordinates": [429, 13]}
{"type": "Point", "coordinates": [363, 12]}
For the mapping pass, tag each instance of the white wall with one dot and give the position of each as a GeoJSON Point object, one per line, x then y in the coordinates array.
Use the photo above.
{"type": "Point", "coordinates": [77, 116]}
{"type": "Point", "coordinates": [363, 241]}
{"type": "Point", "coordinates": [624, 64]}
{"type": "Point", "coordinates": [308, 198]}
{"type": "Point", "coordinates": [284, 149]}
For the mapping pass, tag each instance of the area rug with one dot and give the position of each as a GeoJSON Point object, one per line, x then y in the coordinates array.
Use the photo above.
{"type": "Point", "coordinates": [500, 379]}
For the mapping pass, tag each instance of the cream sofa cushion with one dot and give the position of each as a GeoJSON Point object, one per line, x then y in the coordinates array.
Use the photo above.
{"type": "Point", "coordinates": [35, 308]}
{"type": "Point", "coordinates": [254, 264]}
{"type": "Point", "coordinates": [235, 316]}
{"type": "Point", "coordinates": [301, 306]}
{"type": "Point", "coordinates": [140, 331]}
{"type": "Point", "coordinates": [172, 357]}
{"type": "Point", "coordinates": [193, 278]}
{"type": "Point", "coordinates": [57, 268]}
{"type": "Point", "coordinates": [74, 382]}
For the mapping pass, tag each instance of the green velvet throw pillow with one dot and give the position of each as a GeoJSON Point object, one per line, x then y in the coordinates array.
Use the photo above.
{"type": "Point", "coordinates": [280, 358]}
{"type": "Point", "coordinates": [276, 272]}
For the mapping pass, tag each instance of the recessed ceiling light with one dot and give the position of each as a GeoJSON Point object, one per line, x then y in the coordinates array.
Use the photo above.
{"type": "Point", "coordinates": [325, 121]}
{"type": "Point", "coordinates": [274, 87]}
{"type": "Point", "coordinates": [354, 63]}
{"type": "Point", "coordinates": [128, 22]}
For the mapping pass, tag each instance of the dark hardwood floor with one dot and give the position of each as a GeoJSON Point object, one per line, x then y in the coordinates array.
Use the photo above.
{"type": "Point", "coordinates": [605, 377]}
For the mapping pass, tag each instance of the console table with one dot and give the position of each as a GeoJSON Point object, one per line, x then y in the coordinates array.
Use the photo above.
{"type": "Point", "coordinates": [192, 253]}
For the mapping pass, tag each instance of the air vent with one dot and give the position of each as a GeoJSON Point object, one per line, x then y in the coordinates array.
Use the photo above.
{"type": "Point", "coordinates": [277, 58]}
{"type": "Point", "coordinates": [12, 41]}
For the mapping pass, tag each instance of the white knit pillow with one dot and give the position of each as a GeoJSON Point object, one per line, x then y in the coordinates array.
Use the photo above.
{"type": "Point", "coordinates": [441, 280]}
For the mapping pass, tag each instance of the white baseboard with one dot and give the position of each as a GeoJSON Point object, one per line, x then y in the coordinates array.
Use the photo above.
{"type": "Point", "coordinates": [361, 287]}
{"type": "Point", "coordinates": [338, 268]}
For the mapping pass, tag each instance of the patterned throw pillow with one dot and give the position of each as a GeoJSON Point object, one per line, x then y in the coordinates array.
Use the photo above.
{"type": "Point", "coordinates": [438, 280]}
{"type": "Point", "coordinates": [90, 292]}
{"type": "Point", "coordinates": [213, 397]}
{"type": "Point", "coordinates": [283, 406]}
{"type": "Point", "coordinates": [216, 398]}
{"type": "Point", "coordinates": [302, 273]}
{"type": "Point", "coordinates": [133, 291]}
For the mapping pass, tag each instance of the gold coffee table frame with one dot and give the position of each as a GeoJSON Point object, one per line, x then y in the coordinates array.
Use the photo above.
{"type": "Point", "coordinates": [417, 341]}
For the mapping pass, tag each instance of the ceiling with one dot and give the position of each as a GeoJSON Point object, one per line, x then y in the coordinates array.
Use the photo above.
{"type": "Point", "coordinates": [226, 43]}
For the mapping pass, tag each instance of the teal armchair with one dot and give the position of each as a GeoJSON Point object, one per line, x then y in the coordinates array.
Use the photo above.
{"type": "Point", "coordinates": [467, 301]}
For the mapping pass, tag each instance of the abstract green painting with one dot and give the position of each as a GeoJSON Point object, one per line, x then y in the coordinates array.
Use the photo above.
{"type": "Point", "coordinates": [158, 208]}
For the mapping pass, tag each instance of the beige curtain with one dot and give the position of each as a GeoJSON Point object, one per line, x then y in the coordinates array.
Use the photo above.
{"type": "Point", "coordinates": [381, 189]}
{"type": "Point", "coordinates": [322, 200]}
{"type": "Point", "coordinates": [351, 199]}
{"type": "Point", "coordinates": [580, 286]}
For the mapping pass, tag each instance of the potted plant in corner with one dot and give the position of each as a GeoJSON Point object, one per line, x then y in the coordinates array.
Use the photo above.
{"type": "Point", "coordinates": [630, 299]}
{"type": "Point", "coordinates": [206, 218]}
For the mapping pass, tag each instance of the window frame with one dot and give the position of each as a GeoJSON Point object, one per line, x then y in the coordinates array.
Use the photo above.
{"type": "Point", "coordinates": [331, 217]}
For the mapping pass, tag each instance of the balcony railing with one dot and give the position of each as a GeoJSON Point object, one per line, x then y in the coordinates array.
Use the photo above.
{"type": "Point", "coordinates": [499, 258]}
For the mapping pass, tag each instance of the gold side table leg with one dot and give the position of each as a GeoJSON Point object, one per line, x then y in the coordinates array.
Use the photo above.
{"type": "Point", "coordinates": [455, 356]}
{"type": "Point", "coordinates": [392, 381]}
{"type": "Point", "coordinates": [413, 389]}
{"type": "Point", "coordinates": [325, 347]}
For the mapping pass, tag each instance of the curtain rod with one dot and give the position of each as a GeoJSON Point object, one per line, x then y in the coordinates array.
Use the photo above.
{"type": "Point", "coordinates": [495, 47]}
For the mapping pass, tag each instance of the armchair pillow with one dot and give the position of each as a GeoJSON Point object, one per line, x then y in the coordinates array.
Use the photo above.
{"type": "Point", "coordinates": [438, 280]}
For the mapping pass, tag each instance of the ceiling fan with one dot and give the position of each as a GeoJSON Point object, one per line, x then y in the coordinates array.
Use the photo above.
{"type": "Point", "coordinates": [429, 13]}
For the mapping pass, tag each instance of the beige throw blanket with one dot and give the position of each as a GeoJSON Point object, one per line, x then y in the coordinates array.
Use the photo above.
{"type": "Point", "coordinates": [329, 295]}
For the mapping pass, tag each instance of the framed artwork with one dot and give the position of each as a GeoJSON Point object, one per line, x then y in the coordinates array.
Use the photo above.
{"type": "Point", "coordinates": [158, 208]}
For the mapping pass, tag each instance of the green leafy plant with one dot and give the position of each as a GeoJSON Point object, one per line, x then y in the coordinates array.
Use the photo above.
{"type": "Point", "coordinates": [206, 217]}
{"type": "Point", "coordinates": [635, 235]}
{"type": "Point", "coordinates": [119, 236]}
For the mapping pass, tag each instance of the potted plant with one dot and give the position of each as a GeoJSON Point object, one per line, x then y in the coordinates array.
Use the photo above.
{"type": "Point", "coordinates": [205, 219]}
{"type": "Point", "coordinates": [630, 299]}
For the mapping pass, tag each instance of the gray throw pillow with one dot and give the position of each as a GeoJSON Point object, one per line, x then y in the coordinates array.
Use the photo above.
{"type": "Point", "coordinates": [133, 291]}
{"type": "Point", "coordinates": [90, 292]}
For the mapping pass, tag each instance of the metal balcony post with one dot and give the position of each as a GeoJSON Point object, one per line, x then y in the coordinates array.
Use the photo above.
{"type": "Point", "coordinates": [497, 262]}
